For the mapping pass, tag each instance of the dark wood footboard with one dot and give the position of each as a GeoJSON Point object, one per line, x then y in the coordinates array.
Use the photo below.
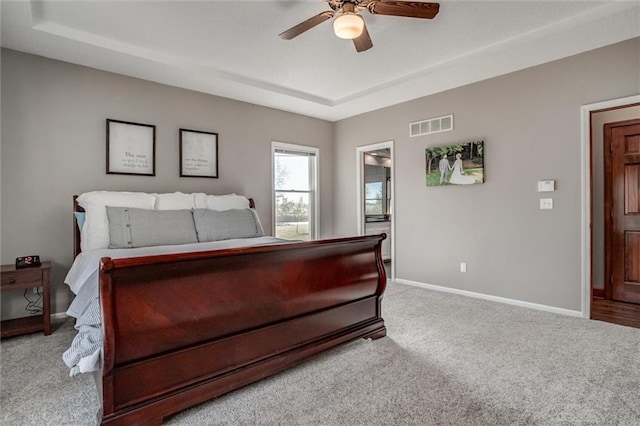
{"type": "Point", "coordinates": [182, 329]}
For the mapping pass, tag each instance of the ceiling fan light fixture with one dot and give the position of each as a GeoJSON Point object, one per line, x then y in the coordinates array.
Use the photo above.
{"type": "Point", "coordinates": [348, 25]}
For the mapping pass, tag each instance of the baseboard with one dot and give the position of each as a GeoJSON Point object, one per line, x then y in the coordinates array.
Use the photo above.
{"type": "Point", "coordinates": [504, 300]}
{"type": "Point", "coordinates": [59, 316]}
{"type": "Point", "coordinates": [598, 292]}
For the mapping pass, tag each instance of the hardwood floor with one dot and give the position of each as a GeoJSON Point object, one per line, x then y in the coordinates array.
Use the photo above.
{"type": "Point", "coordinates": [615, 312]}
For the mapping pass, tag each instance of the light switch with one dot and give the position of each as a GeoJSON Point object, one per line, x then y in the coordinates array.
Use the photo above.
{"type": "Point", "coordinates": [546, 185]}
{"type": "Point", "coordinates": [546, 203]}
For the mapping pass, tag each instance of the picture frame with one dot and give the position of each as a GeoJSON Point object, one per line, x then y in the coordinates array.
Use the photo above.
{"type": "Point", "coordinates": [198, 154]}
{"type": "Point", "coordinates": [131, 148]}
{"type": "Point", "coordinates": [455, 164]}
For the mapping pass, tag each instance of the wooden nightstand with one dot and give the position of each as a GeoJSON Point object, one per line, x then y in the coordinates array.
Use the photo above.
{"type": "Point", "coordinates": [13, 279]}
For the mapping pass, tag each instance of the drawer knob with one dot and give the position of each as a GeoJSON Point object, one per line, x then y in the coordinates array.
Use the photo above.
{"type": "Point", "coordinates": [12, 281]}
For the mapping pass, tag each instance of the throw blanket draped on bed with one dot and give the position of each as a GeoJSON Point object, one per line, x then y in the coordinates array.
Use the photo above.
{"type": "Point", "coordinates": [84, 354]}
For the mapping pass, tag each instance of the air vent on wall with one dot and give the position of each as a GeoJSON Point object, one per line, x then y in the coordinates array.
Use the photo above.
{"type": "Point", "coordinates": [432, 125]}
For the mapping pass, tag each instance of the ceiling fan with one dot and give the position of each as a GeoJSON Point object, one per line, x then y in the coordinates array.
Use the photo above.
{"type": "Point", "coordinates": [350, 24]}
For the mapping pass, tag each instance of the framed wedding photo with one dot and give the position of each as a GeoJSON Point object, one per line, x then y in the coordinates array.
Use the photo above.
{"type": "Point", "coordinates": [456, 164]}
{"type": "Point", "coordinates": [131, 148]}
{"type": "Point", "coordinates": [198, 154]}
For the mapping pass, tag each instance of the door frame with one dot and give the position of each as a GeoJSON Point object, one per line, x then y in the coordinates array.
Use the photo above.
{"type": "Point", "coordinates": [360, 209]}
{"type": "Point", "coordinates": [586, 188]}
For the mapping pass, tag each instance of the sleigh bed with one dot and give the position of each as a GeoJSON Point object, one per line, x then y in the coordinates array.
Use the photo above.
{"type": "Point", "coordinates": [182, 327]}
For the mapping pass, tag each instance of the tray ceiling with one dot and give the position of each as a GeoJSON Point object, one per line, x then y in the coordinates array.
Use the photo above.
{"type": "Point", "coordinates": [232, 48]}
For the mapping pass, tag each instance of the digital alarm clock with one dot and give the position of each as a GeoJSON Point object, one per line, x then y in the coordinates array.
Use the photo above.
{"type": "Point", "coordinates": [27, 261]}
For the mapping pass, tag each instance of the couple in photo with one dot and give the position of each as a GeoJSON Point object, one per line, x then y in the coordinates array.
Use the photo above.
{"type": "Point", "coordinates": [457, 176]}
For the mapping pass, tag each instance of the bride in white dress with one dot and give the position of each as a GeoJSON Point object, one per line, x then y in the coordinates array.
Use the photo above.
{"type": "Point", "coordinates": [457, 176]}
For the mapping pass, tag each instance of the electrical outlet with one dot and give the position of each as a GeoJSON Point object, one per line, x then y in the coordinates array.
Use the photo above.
{"type": "Point", "coordinates": [35, 290]}
{"type": "Point", "coordinates": [463, 266]}
{"type": "Point", "coordinates": [546, 203]}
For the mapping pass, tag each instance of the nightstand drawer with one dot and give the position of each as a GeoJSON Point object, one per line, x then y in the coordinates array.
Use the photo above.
{"type": "Point", "coordinates": [22, 278]}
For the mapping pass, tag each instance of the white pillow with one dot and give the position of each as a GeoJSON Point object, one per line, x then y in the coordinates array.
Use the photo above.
{"type": "Point", "coordinates": [95, 231]}
{"type": "Point", "coordinates": [227, 202]}
{"type": "Point", "coordinates": [199, 200]}
{"type": "Point", "coordinates": [175, 201]}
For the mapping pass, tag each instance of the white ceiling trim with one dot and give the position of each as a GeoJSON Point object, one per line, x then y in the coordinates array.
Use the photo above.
{"type": "Point", "coordinates": [511, 45]}
{"type": "Point", "coordinates": [39, 23]}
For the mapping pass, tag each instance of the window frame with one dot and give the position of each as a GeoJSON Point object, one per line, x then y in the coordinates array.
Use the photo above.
{"type": "Point", "coordinates": [314, 185]}
{"type": "Point", "coordinates": [381, 199]}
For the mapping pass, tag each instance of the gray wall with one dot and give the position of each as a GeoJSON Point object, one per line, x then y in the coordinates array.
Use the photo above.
{"type": "Point", "coordinates": [598, 120]}
{"type": "Point", "coordinates": [530, 121]}
{"type": "Point", "coordinates": [53, 146]}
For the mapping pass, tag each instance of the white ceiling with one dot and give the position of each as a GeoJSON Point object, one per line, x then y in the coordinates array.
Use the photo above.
{"type": "Point", "coordinates": [232, 48]}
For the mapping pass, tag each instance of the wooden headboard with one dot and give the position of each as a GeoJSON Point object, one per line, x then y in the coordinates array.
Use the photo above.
{"type": "Point", "coordinates": [76, 231]}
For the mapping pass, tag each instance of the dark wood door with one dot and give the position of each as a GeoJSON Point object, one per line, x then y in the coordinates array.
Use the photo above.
{"type": "Point", "coordinates": [623, 200]}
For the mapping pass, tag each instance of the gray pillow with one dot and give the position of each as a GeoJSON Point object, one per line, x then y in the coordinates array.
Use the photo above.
{"type": "Point", "coordinates": [131, 227]}
{"type": "Point", "coordinates": [213, 225]}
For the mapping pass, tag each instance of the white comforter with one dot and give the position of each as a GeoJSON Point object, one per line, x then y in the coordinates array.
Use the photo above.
{"type": "Point", "coordinates": [84, 354]}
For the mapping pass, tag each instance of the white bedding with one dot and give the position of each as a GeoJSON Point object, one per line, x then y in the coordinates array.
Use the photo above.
{"type": "Point", "coordinates": [84, 354]}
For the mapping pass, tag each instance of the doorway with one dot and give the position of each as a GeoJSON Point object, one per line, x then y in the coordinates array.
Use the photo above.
{"type": "Point", "coordinates": [601, 259]}
{"type": "Point", "coordinates": [375, 192]}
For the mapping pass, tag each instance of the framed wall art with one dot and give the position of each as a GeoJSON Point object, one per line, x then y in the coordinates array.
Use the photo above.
{"type": "Point", "coordinates": [131, 148]}
{"type": "Point", "coordinates": [456, 164]}
{"type": "Point", "coordinates": [198, 154]}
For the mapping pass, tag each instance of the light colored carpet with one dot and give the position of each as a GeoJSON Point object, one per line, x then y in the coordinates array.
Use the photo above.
{"type": "Point", "coordinates": [447, 360]}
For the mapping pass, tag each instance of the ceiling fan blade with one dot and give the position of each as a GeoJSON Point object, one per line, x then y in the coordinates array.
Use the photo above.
{"type": "Point", "coordinates": [306, 25]}
{"type": "Point", "coordinates": [363, 42]}
{"type": "Point", "coordinates": [411, 9]}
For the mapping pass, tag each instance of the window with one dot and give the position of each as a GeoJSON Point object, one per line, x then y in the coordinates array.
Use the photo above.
{"type": "Point", "coordinates": [295, 191]}
{"type": "Point", "coordinates": [373, 198]}
{"type": "Point", "coordinates": [377, 177]}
